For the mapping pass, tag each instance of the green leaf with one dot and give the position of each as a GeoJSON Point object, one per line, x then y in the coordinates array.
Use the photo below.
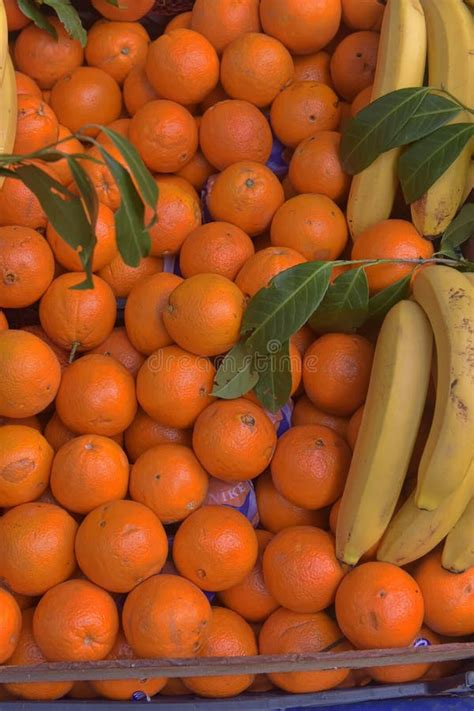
{"type": "Point", "coordinates": [346, 304]}
{"type": "Point", "coordinates": [69, 17]}
{"type": "Point", "coordinates": [374, 128]}
{"type": "Point", "coordinates": [458, 232]}
{"type": "Point", "coordinates": [279, 310]}
{"type": "Point", "coordinates": [381, 303]}
{"type": "Point", "coordinates": [89, 195]}
{"type": "Point", "coordinates": [433, 112]}
{"type": "Point", "coordinates": [236, 375]}
{"type": "Point", "coordinates": [425, 161]}
{"type": "Point", "coordinates": [31, 10]}
{"type": "Point", "coordinates": [273, 388]}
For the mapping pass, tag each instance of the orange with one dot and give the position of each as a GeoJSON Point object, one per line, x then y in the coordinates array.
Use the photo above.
{"type": "Point", "coordinates": [302, 109]}
{"type": "Point", "coordinates": [390, 239]}
{"type": "Point", "coordinates": [19, 205]}
{"type": "Point", "coordinates": [3, 322]}
{"type": "Point", "coordinates": [30, 374]}
{"type": "Point", "coordinates": [120, 544]}
{"type": "Point", "coordinates": [277, 513]}
{"type": "Point", "coordinates": [120, 126]}
{"type": "Point", "coordinates": [216, 248]}
{"type": "Point", "coordinates": [25, 463]}
{"type": "Point", "coordinates": [229, 635]}
{"type": "Point", "coordinates": [255, 68]}
{"type": "Point", "coordinates": [126, 11]}
{"type": "Point", "coordinates": [97, 99]}
{"type": "Point", "coordinates": [32, 422]}
{"type": "Point", "coordinates": [214, 96]}
{"type": "Point", "coordinates": [58, 434]}
{"type": "Point", "coordinates": [144, 312]}
{"type": "Point", "coordinates": [170, 481]}
{"type": "Point", "coordinates": [165, 135]}
{"type": "Point", "coordinates": [287, 632]}
{"type": "Point", "coordinates": [145, 433]}
{"type": "Point", "coordinates": [449, 602]}
{"type": "Point", "coordinates": [27, 85]}
{"type": "Point", "coordinates": [379, 605]}
{"type": "Point", "coordinates": [119, 347]}
{"type": "Point", "coordinates": [10, 625]}
{"type": "Point", "coordinates": [45, 58]}
{"type": "Point", "coordinates": [27, 652]}
{"type": "Point", "coordinates": [36, 127]}
{"type": "Point", "coordinates": [354, 427]}
{"type": "Point", "coordinates": [310, 465]}
{"type": "Point", "coordinates": [82, 690]}
{"type": "Point", "coordinates": [96, 396]}
{"type": "Point", "coordinates": [315, 167]}
{"type": "Point", "coordinates": [222, 21]}
{"type": "Point", "coordinates": [69, 147]}
{"type": "Point", "coordinates": [75, 621]}
{"type": "Point", "coordinates": [183, 66]}
{"type": "Point", "coordinates": [251, 598]}
{"type": "Point", "coordinates": [204, 314]}
{"type": "Point", "coordinates": [174, 386]}
{"type": "Point", "coordinates": [301, 570]}
{"type": "Point", "coordinates": [362, 14]}
{"type": "Point", "coordinates": [123, 690]}
{"type": "Point", "coordinates": [234, 439]}
{"type": "Point", "coordinates": [137, 90]}
{"type": "Point", "coordinates": [36, 547]}
{"type": "Point", "coordinates": [89, 471]}
{"type": "Point", "coordinates": [305, 413]}
{"type": "Point", "coordinates": [26, 267]}
{"type": "Point", "coordinates": [353, 63]}
{"type": "Point", "coordinates": [303, 27]}
{"type": "Point", "coordinates": [402, 673]}
{"type": "Point", "coordinates": [174, 686]}
{"type": "Point", "coordinates": [117, 47]}
{"type": "Point", "coordinates": [104, 251]}
{"type": "Point", "coordinates": [247, 194]}
{"type": "Point", "coordinates": [232, 131]}
{"type": "Point", "coordinates": [362, 100]}
{"type": "Point", "coordinates": [122, 278]}
{"type": "Point", "coordinates": [260, 268]}
{"type": "Point", "coordinates": [197, 171]}
{"type": "Point", "coordinates": [313, 67]}
{"type": "Point", "coordinates": [77, 318]}
{"type": "Point", "coordinates": [179, 209]}
{"type": "Point", "coordinates": [104, 184]}
{"type": "Point", "coordinates": [313, 225]}
{"type": "Point", "coordinates": [215, 547]}
{"type": "Point", "coordinates": [178, 22]}
{"type": "Point", "coordinates": [16, 20]}
{"type": "Point", "coordinates": [336, 372]}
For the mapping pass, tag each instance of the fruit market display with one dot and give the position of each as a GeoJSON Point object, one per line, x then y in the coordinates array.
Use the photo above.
{"type": "Point", "coordinates": [236, 338]}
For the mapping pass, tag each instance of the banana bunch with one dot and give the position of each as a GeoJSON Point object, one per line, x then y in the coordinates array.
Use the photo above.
{"type": "Point", "coordinates": [441, 504]}
{"type": "Point", "coordinates": [8, 106]}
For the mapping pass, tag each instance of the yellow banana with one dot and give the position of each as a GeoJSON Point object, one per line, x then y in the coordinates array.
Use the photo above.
{"type": "Point", "coordinates": [392, 414]}
{"type": "Point", "coordinates": [447, 298]}
{"type": "Point", "coordinates": [400, 64]}
{"type": "Point", "coordinates": [458, 551]}
{"type": "Point", "coordinates": [450, 27]}
{"type": "Point", "coordinates": [3, 41]}
{"type": "Point", "coordinates": [8, 108]}
{"type": "Point", "coordinates": [412, 533]}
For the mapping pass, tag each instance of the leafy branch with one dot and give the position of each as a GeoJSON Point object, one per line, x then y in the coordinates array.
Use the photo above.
{"type": "Point", "coordinates": [65, 11]}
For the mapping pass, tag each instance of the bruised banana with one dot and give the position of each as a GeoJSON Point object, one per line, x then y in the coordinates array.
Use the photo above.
{"type": "Point", "coordinates": [392, 414]}
{"type": "Point", "coordinates": [400, 64]}
{"type": "Point", "coordinates": [8, 108]}
{"type": "Point", "coordinates": [458, 551]}
{"type": "Point", "coordinates": [447, 297]}
{"type": "Point", "coordinates": [412, 533]}
{"type": "Point", "coordinates": [450, 27]}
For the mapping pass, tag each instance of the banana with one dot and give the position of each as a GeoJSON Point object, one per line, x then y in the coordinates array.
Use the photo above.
{"type": "Point", "coordinates": [458, 551]}
{"type": "Point", "coordinates": [447, 298]}
{"type": "Point", "coordinates": [392, 414]}
{"type": "Point", "coordinates": [8, 108]}
{"type": "Point", "coordinates": [413, 533]}
{"type": "Point", "coordinates": [469, 185]}
{"type": "Point", "coordinates": [450, 27]}
{"type": "Point", "coordinates": [400, 64]}
{"type": "Point", "coordinates": [3, 41]}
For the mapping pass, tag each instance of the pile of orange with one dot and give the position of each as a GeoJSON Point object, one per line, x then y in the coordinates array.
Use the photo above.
{"type": "Point", "coordinates": [109, 433]}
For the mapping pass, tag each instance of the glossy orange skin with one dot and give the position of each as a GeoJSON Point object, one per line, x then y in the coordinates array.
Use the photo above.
{"type": "Point", "coordinates": [69, 147]}
{"type": "Point", "coordinates": [128, 10]}
{"type": "Point", "coordinates": [316, 167]}
{"type": "Point", "coordinates": [19, 205]}
{"type": "Point", "coordinates": [362, 14]}
{"type": "Point", "coordinates": [313, 67]}
{"type": "Point", "coordinates": [180, 213]}
{"type": "Point", "coordinates": [362, 100]}
{"type": "Point", "coordinates": [10, 625]}
{"type": "Point", "coordinates": [166, 616]}
{"type": "Point", "coordinates": [145, 433]}
{"type": "Point", "coordinates": [354, 427]}
{"type": "Point", "coordinates": [58, 434]}
{"type": "Point", "coordinates": [117, 47]}
{"type": "Point", "coordinates": [197, 171]}
{"type": "Point", "coordinates": [26, 266]}
{"type": "Point", "coordinates": [215, 547]}
{"type": "Point", "coordinates": [181, 21]}
{"type": "Point", "coordinates": [353, 63]}
{"type": "Point", "coordinates": [302, 27]}
{"type": "Point", "coordinates": [222, 21]}
{"type": "Point", "coordinates": [16, 20]}
{"type": "Point", "coordinates": [118, 346]}
{"type": "Point", "coordinates": [25, 463]}
{"type": "Point", "coordinates": [37, 126]}
{"type": "Point", "coordinates": [379, 605]}
{"type": "Point", "coordinates": [121, 278]}
{"type": "Point", "coordinates": [305, 413]}
{"type": "Point", "coordinates": [260, 268]}
{"type": "Point", "coordinates": [76, 621]}
{"type": "Point", "coordinates": [137, 90]}
{"type": "Point", "coordinates": [37, 547]}
{"type": "Point", "coordinates": [27, 85]}
{"type": "Point", "coordinates": [217, 248]}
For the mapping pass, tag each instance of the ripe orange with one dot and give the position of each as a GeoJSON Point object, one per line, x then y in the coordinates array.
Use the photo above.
{"type": "Point", "coordinates": [121, 278]}
{"type": "Point", "coordinates": [32, 422]}
{"type": "Point", "coordinates": [165, 135]}
{"type": "Point", "coordinates": [27, 85]}
{"type": "Point", "coordinates": [137, 90]}
{"type": "Point", "coordinates": [70, 147]}
{"type": "Point", "coordinates": [362, 14]}
{"type": "Point", "coordinates": [229, 635]}
{"type": "Point", "coordinates": [127, 10]}
{"type": "Point", "coordinates": [30, 374]}
{"type": "Point", "coordinates": [10, 625]}
{"type": "Point", "coordinates": [313, 225]}
{"type": "Point", "coordinates": [75, 621]}
{"type": "Point", "coordinates": [89, 471]}
{"type": "Point", "coordinates": [313, 67]}
{"type": "Point", "coordinates": [305, 413]}
{"type": "Point", "coordinates": [26, 267]}
{"type": "Point", "coordinates": [97, 396]}
{"type": "Point", "coordinates": [222, 21]}
{"type": "Point", "coordinates": [362, 99]}
{"type": "Point", "coordinates": [183, 66]}
{"type": "Point", "coordinates": [36, 127]}
{"type": "Point", "coordinates": [215, 248]}
{"type": "Point", "coordinates": [16, 20]}
{"type": "Point", "coordinates": [197, 171]}
{"type": "Point", "coordinates": [3, 322]}
{"type": "Point", "coordinates": [118, 346]}
{"type": "Point", "coordinates": [336, 372]}
{"type": "Point", "coordinates": [247, 194]}
{"type": "Point", "coordinates": [145, 433]}
{"type": "Point", "coordinates": [104, 184]}
{"type": "Point", "coordinates": [302, 27]}
{"type": "Point", "coordinates": [36, 547]}
{"type": "Point", "coordinates": [57, 433]}
{"type": "Point", "coordinates": [402, 673]}
{"type": "Point", "coordinates": [231, 131]}
{"type": "Point", "coordinates": [61, 354]}
{"type": "Point", "coordinates": [25, 462]}
{"type": "Point", "coordinates": [178, 22]}
{"type": "Point", "coordinates": [214, 96]}
{"type": "Point", "coordinates": [353, 63]}
{"type": "Point", "coordinates": [379, 605]}
{"type": "Point", "coordinates": [259, 269]}
{"type": "Point", "coordinates": [215, 547]}
{"type": "Point", "coordinates": [354, 427]}
{"type": "Point", "coordinates": [117, 47]}
{"type": "Point", "coordinates": [390, 239]}
{"type": "Point", "coordinates": [19, 205]}
{"type": "Point", "coordinates": [255, 68]}
{"type": "Point", "coordinates": [234, 439]}
{"type": "Point", "coordinates": [277, 513]}
{"type": "Point", "coordinates": [166, 616]}
{"type": "Point", "coordinates": [315, 166]}
{"type": "Point", "coordinates": [180, 213]}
